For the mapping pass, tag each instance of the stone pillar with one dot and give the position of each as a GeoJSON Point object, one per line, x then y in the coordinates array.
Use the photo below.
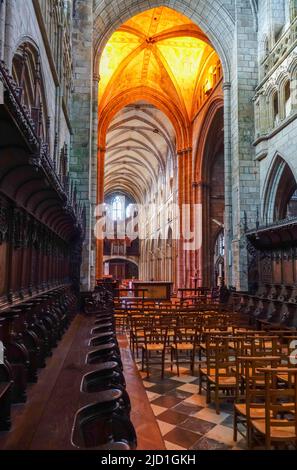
{"type": "Point", "coordinates": [245, 171]}
{"type": "Point", "coordinates": [93, 181]}
{"type": "Point", "coordinates": [201, 257]}
{"type": "Point", "coordinates": [2, 27]}
{"type": "Point", "coordinates": [180, 265]}
{"type": "Point", "coordinates": [100, 199]}
{"type": "Point", "coordinates": [81, 156]}
{"type": "Point", "coordinates": [189, 201]}
{"type": "Point", "coordinates": [184, 200]}
{"type": "Point", "coordinates": [228, 232]}
{"type": "Point", "coordinates": [8, 37]}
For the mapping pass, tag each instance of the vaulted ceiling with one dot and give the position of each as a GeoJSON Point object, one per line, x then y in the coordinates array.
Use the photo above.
{"type": "Point", "coordinates": [139, 141]}
{"type": "Point", "coordinates": [160, 49]}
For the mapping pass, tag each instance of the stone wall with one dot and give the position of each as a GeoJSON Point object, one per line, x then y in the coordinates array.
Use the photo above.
{"type": "Point", "coordinates": [80, 165]}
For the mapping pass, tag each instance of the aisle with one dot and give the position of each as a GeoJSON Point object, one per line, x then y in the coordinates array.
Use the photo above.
{"type": "Point", "coordinates": [184, 418]}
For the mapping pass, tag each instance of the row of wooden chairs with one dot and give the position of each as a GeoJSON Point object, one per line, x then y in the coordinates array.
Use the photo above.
{"type": "Point", "coordinates": [180, 342]}
{"type": "Point", "coordinates": [255, 370]}
{"type": "Point", "coordinates": [252, 368]}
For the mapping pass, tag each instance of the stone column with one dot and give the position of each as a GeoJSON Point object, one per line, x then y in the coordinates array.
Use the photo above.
{"type": "Point", "coordinates": [180, 265]}
{"type": "Point", "coordinates": [100, 199]}
{"type": "Point", "coordinates": [245, 171]}
{"type": "Point", "coordinates": [228, 233]}
{"type": "Point", "coordinates": [201, 190]}
{"type": "Point", "coordinates": [81, 156]}
{"type": "Point", "coordinates": [2, 27]}
{"type": "Point", "coordinates": [93, 176]}
{"type": "Point", "coordinates": [188, 200]}
{"type": "Point", "coordinates": [8, 37]}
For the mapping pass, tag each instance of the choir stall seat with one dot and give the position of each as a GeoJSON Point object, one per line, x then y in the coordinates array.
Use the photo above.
{"type": "Point", "coordinates": [103, 423]}
{"type": "Point", "coordinates": [18, 357]}
{"type": "Point", "coordinates": [6, 385]}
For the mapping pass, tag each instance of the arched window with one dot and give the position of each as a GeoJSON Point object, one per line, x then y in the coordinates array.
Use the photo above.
{"type": "Point", "coordinates": [287, 98]}
{"type": "Point", "coordinates": [118, 208]}
{"type": "Point", "coordinates": [27, 73]}
{"type": "Point", "coordinates": [275, 109]}
{"type": "Point", "coordinates": [219, 251]}
{"type": "Point", "coordinates": [280, 200]}
{"type": "Point", "coordinates": [220, 244]}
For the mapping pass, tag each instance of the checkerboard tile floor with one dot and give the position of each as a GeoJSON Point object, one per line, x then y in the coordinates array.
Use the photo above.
{"type": "Point", "coordinates": [184, 418]}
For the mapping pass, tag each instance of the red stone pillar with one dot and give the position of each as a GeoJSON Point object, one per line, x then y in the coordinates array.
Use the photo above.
{"type": "Point", "coordinates": [180, 264]}
{"type": "Point", "coordinates": [184, 198]}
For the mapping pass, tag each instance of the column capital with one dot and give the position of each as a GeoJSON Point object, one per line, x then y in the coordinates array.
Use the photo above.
{"type": "Point", "coordinates": [96, 77]}
{"type": "Point", "coordinates": [184, 151]}
{"type": "Point", "coordinates": [226, 86]}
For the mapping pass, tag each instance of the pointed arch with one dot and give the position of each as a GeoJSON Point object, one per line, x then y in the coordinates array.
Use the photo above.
{"type": "Point", "coordinates": [279, 187]}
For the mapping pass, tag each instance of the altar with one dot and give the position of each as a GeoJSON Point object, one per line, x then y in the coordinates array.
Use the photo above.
{"type": "Point", "coordinates": [154, 290]}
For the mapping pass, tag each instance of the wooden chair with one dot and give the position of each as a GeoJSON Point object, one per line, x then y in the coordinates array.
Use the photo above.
{"type": "Point", "coordinates": [279, 426]}
{"type": "Point", "coordinates": [138, 325]}
{"type": "Point", "coordinates": [166, 321]}
{"type": "Point", "coordinates": [250, 382]}
{"type": "Point", "coordinates": [121, 318]}
{"type": "Point", "coordinates": [154, 348]}
{"type": "Point", "coordinates": [219, 374]}
{"type": "Point", "coordinates": [184, 346]}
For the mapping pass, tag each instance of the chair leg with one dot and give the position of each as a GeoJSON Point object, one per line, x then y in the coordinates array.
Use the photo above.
{"type": "Point", "coordinates": [217, 401]}
{"type": "Point", "coordinates": [208, 393]}
{"type": "Point", "coordinates": [147, 364]}
{"type": "Point", "coordinates": [171, 359]}
{"type": "Point", "coordinates": [192, 363]}
{"type": "Point", "coordinates": [200, 380]}
{"type": "Point", "coordinates": [177, 361]}
{"type": "Point", "coordinates": [142, 359]}
{"type": "Point", "coordinates": [163, 364]}
{"type": "Point", "coordinates": [235, 426]}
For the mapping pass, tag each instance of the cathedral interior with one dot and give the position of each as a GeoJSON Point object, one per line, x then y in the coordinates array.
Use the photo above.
{"type": "Point", "coordinates": [148, 225]}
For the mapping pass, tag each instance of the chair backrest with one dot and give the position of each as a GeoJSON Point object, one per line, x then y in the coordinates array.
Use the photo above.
{"type": "Point", "coordinates": [263, 345]}
{"type": "Point", "coordinates": [153, 335]}
{"type": "Point", "coordinates": [167, 321]}
{"type": "Point", "coordinates": [280, 403]}
{"type": "Point", "coordinates": [219, 358]}
{"type": "Point", "coordinates": [186, 334]}
{"type": "Point", "coordinates": [250, 380]}
{"type": "Point", "coordinates": [139, 322]}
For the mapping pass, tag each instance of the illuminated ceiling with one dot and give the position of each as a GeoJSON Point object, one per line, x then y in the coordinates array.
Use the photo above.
{"type": "Point", "coordinates": [160, 49]}
{"type": "Point", "coordinates": [140, 141]}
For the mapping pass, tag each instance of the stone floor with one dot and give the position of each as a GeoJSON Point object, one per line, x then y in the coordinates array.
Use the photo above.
{"type": "Point", "coordinates": [184, 418]}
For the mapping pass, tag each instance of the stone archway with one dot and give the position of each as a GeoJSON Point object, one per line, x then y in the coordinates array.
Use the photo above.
{"type": "Point", "coordinates": [209, 186]}
{"type": "Point", "coordinates": [279, 193]}
{"type": "Point", "coordinates": [220, 21]}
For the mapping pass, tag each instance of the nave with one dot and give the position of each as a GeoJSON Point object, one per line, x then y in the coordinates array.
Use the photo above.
{"type": "Point", "coordinates": [148, 225]}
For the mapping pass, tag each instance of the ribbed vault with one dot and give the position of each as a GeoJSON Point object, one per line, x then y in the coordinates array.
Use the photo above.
{"type": "Point", "coordinates": [159, 49]}
{"type": "Point", "coordinates": [139, 141]}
